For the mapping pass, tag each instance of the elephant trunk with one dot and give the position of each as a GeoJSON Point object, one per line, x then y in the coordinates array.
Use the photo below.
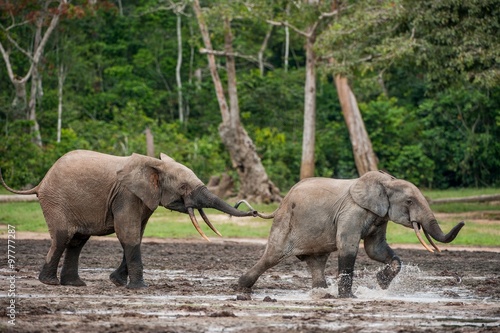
{"type": "Point", "coordinates": [433, 229]}
{"type": "Point", "coordinates": [206, 199]}
{"type": "Point", "coordinates": [202, 198]}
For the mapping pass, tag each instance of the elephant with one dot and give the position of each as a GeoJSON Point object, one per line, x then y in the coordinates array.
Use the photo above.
{"type": "Point", "coordinates": [322, 215]}
{"type": "Point", "coordinates": [86, 193]}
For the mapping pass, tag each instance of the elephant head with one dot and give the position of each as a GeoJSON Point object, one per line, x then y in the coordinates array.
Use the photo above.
{"type": "Point", "coordinates": [174, 186]}
{"type": "Point", "coordinates": [403, 203]}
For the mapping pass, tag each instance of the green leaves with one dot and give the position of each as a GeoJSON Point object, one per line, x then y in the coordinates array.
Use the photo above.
{"type": "Point", "coordinates": [425, 74]}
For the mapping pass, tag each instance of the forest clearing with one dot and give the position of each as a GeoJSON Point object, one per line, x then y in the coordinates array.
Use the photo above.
{"type": "Point", "coordinates": [252, 97]}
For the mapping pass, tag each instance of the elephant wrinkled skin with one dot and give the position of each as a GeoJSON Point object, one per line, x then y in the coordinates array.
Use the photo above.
{"type": "Point", "coordinates": [322, 215]}
{"type": "Point", "coordinates": [87, 193]}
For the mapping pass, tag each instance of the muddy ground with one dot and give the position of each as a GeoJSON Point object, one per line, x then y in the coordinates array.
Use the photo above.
{"type": "Point", "coordinates": [191, 290]}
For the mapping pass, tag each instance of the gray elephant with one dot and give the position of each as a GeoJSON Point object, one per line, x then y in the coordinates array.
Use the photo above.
{"type": "Point", "coordinates": [87, 193]}
{"type": "Point", "coordinates": [322, 215]}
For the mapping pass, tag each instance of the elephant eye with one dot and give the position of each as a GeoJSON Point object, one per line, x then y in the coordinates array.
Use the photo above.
{"type": "Point", "coordinates": [409, 202]}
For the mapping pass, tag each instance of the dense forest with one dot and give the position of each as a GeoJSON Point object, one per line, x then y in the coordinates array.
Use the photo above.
{"type": "Point", "coordinates": [83, 74]}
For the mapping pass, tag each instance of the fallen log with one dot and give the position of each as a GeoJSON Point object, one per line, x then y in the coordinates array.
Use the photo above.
{"type": "Point", "coordinates": [18, 198]}
{"type": "Point", "coordinates": [476, 198]}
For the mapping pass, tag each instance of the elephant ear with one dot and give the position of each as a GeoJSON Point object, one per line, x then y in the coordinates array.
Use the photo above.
{"type": "Point", "coordinates": [369, 192]}
{"type": "Point", "coordinates": [166, 158]}
{"type": "Point", "coordinates": [140, 175]}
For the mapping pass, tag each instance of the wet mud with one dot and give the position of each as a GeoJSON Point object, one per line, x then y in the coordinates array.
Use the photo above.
{"type": "Point", "coordinates": [191, 289]}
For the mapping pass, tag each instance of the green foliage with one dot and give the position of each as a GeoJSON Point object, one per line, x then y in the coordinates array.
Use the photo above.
{"type": "Point", "coordinates": [459, 134]}
{"type": "Point", "coordinates": [423, 74]}
{"type": "Point", "coordinates": [458, 40]}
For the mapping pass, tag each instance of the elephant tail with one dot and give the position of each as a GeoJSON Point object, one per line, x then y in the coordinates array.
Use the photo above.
{"type": "Point", "coordinates": [266, 216]}
{"type": "Point", "coordinates": [256, 213]}
{"type": "Point", "coordinates": [32, 191]}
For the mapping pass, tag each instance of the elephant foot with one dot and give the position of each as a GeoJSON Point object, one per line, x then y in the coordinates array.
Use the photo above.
{"type": "Point", "coordinates": [384, 280]}
{"type": "Point", "coordinates": [246, 282]}
{"type": "Point", "coordinates": [239, 288]}
{"type": "Point", "coordinates": [137, 285]}
{"type": "Point", "coordinates": [385, 276]}
{"type": "Point", "coordinates": [347, 295]}
{"type": "Point", "coordinates": [118, 280]}
{"type": "Point", "coordinates": [320, 284]}
{"type": "Point", "coordinates": [76, 282]}
{"type": "Point", "coordinates": [48, 279]}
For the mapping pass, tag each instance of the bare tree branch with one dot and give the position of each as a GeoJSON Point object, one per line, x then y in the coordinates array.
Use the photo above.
{"type": "Point", "coordinates": [232, 54]}
{"type": "Point", "coordinates": [312, 29]}
{"type": "Point", "coordinates": [262, 49]}
{"type": "Point", "coordinates": [286, 24]}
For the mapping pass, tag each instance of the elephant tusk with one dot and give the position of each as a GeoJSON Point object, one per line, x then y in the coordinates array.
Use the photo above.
{"type": "Point", "coordinates": [195, 223]}
{"type": "Point", "coordinates": [431, 241]}
{"type": "Point", "coordinates": [419, 236]}
{"type": "Point", "coordinates": [205, 218]}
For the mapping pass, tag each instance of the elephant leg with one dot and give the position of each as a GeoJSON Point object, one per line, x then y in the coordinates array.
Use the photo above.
{"type": "Point", "coordinates": [132, 254]}
{"type": "Point", "coordinates": [268, 260]}
{"type": "Point", "coordinates": [377, 249]}
{"type": "Point", "coordinates": [120, 275]}
{"type": "Point", "coordinates": [69, 271]}
{"type": "Point", "coordinates": [346, 272]}
{"type": "Point", "coordinates": [48, 274]}
{"type": "Point", "coordinates": [316, 264]}
{"type": "Point", "coordinates": [348, 250]}
{"type": "Point", "coordinates": [130, 217]}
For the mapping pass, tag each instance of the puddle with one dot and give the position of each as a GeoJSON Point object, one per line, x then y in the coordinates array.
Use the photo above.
{"type": "Point", "coordinates": [414, 299]}
{"type": "Point", "coordinates": [411, 285]}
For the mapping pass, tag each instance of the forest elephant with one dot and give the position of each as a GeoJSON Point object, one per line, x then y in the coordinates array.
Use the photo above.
{"type": "Point", "coordinates": [322, 215]}
{"type": "Point", "coordinates": [87, 194]}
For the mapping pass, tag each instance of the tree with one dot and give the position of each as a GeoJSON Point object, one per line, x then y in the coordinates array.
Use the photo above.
{"type": "Point", "coordinates": [178, 9]}
{"type": "Point", "coordinates": [20, 17]}
{"type": "Point", "coordinates": [457, 41]}
{"type": "Point", "coordinates": [345, 57]}
{"type": "Point", "coordinates": [310, 33]}
{"type": "Point", "coordinates": [362, 149]}
{"type": "Point", "coordinates": [255, 184]}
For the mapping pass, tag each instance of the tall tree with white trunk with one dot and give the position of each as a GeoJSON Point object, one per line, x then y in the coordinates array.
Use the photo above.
{"type": "Point", "coordinates": [48, 14]}
{"type": "Point", "coordinates": [309, 32]}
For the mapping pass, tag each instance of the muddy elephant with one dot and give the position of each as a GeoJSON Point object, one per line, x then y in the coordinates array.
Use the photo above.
{"type": "Point", "coordinates": [322, 215]}
{"type": "Point", "coordinates": [87, 194]}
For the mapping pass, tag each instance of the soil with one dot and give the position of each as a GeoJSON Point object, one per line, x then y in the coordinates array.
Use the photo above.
{"type": "Point", "coordinates": [191, 290]}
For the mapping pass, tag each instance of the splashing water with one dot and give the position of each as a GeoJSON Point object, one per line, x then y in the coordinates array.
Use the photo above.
{"type": "Point", "coordinates": [411, 284]}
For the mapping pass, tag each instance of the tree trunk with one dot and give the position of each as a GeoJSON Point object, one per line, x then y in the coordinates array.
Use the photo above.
{"type": "Point", "coordinates": [219, 90]}
{"type": "Point", "coordinates": [178, 68]}
{"type": "Point", "coordinates": [232, 91]}
{"type": "Point", "coordinates": [34, 55]}
{"type": "Point", "coordinates": [222, 186]}
{"type": "Point", "coordinates": [31, 116]}
{"type": "Point", "coordinates": [255, 185]}
{"type": "Point", "coordinates": [287, 39]}
{"type": "Point", "coordinates": [20, 102]}
{"type": "Point", "coordinates": [262, 49]}
{"type": "Point", "coordinates": [308, 138]}
{"type": "Point", "coordinates": [61, 78]}
{"type": "Point", "coordinates": [364, 157]}
{"type": "Point", "coordinates": [150, 143]}
{"type": "Point", "coordinates": [475, 198]}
